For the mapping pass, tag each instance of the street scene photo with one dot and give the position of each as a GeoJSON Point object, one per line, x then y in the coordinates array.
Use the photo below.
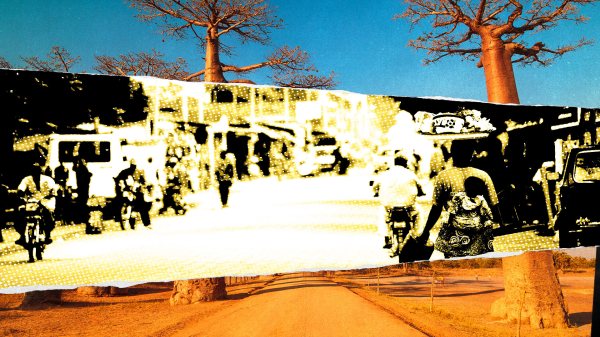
{"type": "Point", "coordinates": [131, 179]}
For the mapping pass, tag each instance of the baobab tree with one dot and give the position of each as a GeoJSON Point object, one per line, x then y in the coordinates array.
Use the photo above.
{"type": "Point", "coordinates": [209, 21]}
{"type": "Point", "coordinates": [142, 64]}
{"type": "Point", "coordinates": [495, 34]}
{"type": "Point", "coordinates": [58, 59]}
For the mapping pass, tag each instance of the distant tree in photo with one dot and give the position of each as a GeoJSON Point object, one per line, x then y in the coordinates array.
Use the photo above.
{"type": "Point", "coordinates": [142, 64]}
{"type": "Point", "coordinates": [562, 260]}
{"type": "Point", "coordinates": [496, 34]}
{"type": "Point", "coordinates": [209, 21]}
{"type": "Point", "coordinates": [58, 59]}
{"type": "Point", "coordinates": [4, 64]}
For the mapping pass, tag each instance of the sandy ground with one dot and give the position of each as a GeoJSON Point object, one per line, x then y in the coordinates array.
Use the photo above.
{"type": "Point", "coordinates": [461, 304]}
{"type": "Point", "coordinates": [145, 311]}
{"type": "Point", "coordinates": [306, 305]}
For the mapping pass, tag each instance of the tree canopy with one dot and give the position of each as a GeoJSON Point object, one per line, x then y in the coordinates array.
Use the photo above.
{"type": "Point", "coordinates": [208, 21]}
{"type": "Point", "coordinates": [58, 59]}
{"type": "Point", "coordinates": [457, 24]}
{"type": "Point", "coordinates": [142, 64]}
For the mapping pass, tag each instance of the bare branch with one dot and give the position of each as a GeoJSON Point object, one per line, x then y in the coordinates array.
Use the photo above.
{"type": "Point", "coordinates": [251, 20]}
{"type": "Point", "coordinates": [4, 64]}
{"type": "Point", "coordinates": [539, 54]}
{"type": "Point", "coordinates": [209, 20]}
{"type": "Point", "coordinates": [58, 59]}
{"type": "Point", "coordinates": [298, 80]}
{"type": "Point", "coordinates": [142, 64]}
{"type": "Point", "coordinates": [454, 32]}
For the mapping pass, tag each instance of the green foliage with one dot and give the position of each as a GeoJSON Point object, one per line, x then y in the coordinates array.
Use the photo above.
{"type": "Point", "coordinates": [467, 263]}
{"type": "Point", "coordinates": [564, 261]}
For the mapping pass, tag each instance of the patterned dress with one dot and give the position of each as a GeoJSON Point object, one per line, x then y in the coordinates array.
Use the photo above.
{"type": "Point", "coordinates": [467, 228]}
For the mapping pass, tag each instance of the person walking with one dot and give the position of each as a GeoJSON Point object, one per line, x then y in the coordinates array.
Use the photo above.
{"type": "Point", "coordinates": [4, 199]}
{"type": "Point", "coordinates": [61, 176]}
{"type": "Point", "coordinates": [225, 175]}
{"type": "Point", "coordinates": [470, 223]}
{"type": "Point", "coordinates": [455, 188]}
{"type": "Point", "coordinates": [83, 176]}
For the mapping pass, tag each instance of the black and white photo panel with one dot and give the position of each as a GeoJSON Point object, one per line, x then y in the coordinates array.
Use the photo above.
{"type": "Point", "coordinates": [109, 179]}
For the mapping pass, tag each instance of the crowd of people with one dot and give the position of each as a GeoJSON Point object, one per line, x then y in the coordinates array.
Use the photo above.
{"type": "Point", "coordinates": [62, 200]}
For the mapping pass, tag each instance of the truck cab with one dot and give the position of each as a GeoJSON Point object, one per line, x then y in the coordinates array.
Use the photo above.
{"type": "Point", "coordinates": [102, 152]}
{"type": "Point", "coordinates": [578, 210]}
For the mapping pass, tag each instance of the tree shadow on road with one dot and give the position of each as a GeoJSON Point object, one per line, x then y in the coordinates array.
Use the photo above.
{"type": "Point", "coordinates": [580, 318]}
{"type": "Point", "coordinates": [264, 291]}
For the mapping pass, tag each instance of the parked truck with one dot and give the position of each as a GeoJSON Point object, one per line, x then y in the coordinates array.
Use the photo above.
{"type": "Point", "coordinates": [106, 155]}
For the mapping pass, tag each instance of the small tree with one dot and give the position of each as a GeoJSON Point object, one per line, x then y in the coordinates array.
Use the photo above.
{"type": "Point", "coordinates": [142, 64]}
{"type": "Point", "coordinates": [562, 260]}
{"type": "Point", "coordinates": [4, 64]}
{"type": "Point", "coordinates": [209, 21]}
{"type": "Point", "coordinates": [58, 59]}
{"type": "Point", "coordinates": [494, 32]}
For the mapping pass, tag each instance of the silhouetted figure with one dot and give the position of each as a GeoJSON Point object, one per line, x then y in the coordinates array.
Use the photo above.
{"type": "Point", "coordinates": [4, 200]}
{"type": "Point", "coordinates": [131, 182]}
{"type": "Point", "coordinates": [84, 178]}
{"type": "Point", "coordinates": [225, 174]}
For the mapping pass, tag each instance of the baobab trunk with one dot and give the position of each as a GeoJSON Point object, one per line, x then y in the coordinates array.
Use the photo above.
{"type": "Point", "coordinates": [532, 291]}
{"type": "Point", "coordinates": [199, 290]}
{"type": "Point", "coordinates": [213, 70]}
{"type": "Point", "coordinates": [499, 76]}
{"type": "Point", "coordinates": [207, 289]}
{"type": "Point", "coordinates": [41, 298]}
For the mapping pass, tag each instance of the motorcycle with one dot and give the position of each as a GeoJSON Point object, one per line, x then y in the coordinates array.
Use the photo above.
{"type": "Point", "coordinates": [400, 221]}
{"type": "Point", "coordinates": [173, 198]}
{"type": "Point", "coordinates": [35, 238]}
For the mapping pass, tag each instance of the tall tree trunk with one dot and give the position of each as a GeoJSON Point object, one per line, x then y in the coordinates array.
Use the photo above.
{"type": "Point", "coordinates": [40, 299]}
{"type": "Point", "coordinates": [207, 289]}
{"type": "Point", "coordinates": [532, 291]}
{"type": "Point", "coordinates": [596, 303]}
{"type": "Point", "coordinates": [213, 70]}
{"type": "Point", "coordinates": [499, 76]}
{"type": "Point", "coordinates": [199, 290]}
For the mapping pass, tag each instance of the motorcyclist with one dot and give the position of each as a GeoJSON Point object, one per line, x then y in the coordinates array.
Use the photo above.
{"type": "Point", "coordinates": [172, 191]}
{"type": "Point", "coordinates": [399, 189]}
{"type": "Point", "coordinates": [133, 180]}
{"type": "Point", "coordinates": [43, 189]}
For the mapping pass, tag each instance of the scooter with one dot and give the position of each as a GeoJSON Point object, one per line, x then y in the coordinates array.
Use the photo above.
{"type": "Point", "coordinates": [400, 222]}
{"type": "Point", "coordinates": [35, 238]}
{"type": "Point", "coordinates": [173, 198]}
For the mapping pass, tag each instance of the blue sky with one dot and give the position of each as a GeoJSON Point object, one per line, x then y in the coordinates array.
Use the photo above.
{"type": "Point", "coordinates": [356, 39]}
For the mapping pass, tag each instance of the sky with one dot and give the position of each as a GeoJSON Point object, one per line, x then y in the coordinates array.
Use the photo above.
{"type": "Point", "coordinates": [357, 39]}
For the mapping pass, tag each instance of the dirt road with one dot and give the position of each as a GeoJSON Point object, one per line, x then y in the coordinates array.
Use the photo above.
{"type": "Point", "coordinates": [297, 305]}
